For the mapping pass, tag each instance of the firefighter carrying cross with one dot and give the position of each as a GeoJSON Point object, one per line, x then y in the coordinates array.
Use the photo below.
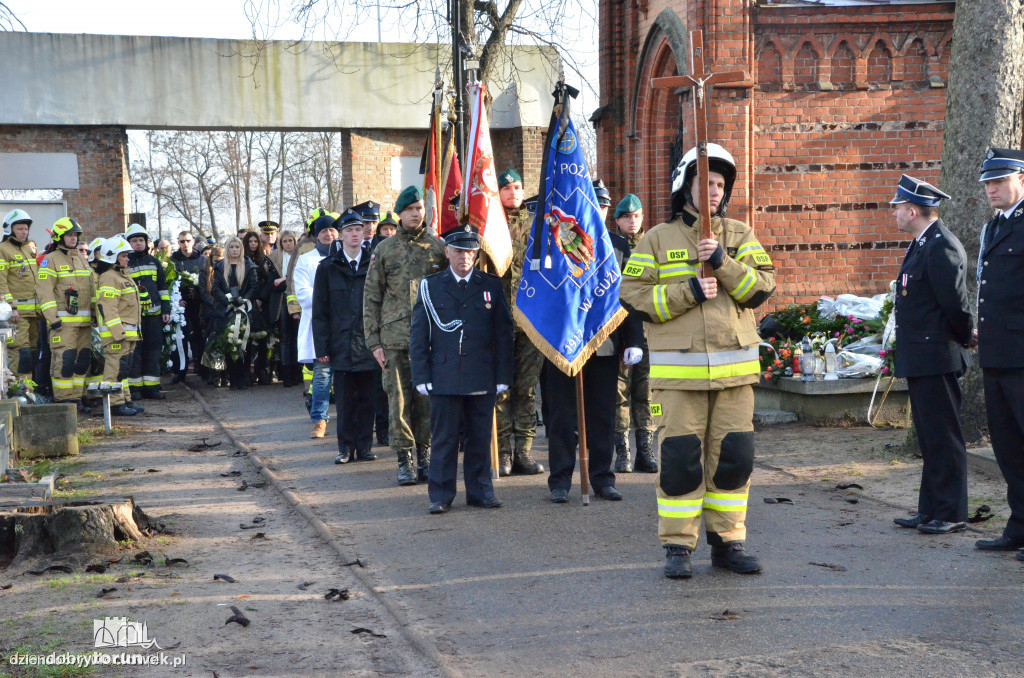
{"type": "Point", "coordinates": [697, 80]}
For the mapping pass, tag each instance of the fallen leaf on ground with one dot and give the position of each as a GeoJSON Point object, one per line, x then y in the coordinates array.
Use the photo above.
{"type": "Point", "coordinates": [243, 487]}
{"type": "Point", "coordinates": [175, 561]}
{"type": "Point", "coordinates": [6, 587]}
{"type": "Point", "coordinates": [203, 445]}
{"type": "Point", "coordinates": [230, 474]}
{"type": "Point", "coordinates": [259, 535]}
{"type": "Point", "coordinates": [829, 566]}
{"type": "Point", "coordinates": [337, 594]}
{"type": "Point", "coordinates": [306, 584]}
{"type": "Point", "coordinates": [238, 617]}
{"type": "Point", "coordinates": [152, 470]}
{"type": "Point", "coordinates": [368, 632]}
{"type": "Point", "coordinates": [52, 568]}
{"type": "Point", "coordinates": [848, 486]}
{"type": "Point", "coordinates": [258, 519]}
{"type": "Point", "coordinates": [725, 616]}
{"type": "Point", "coordinates": [103, 592]}
{"type": "Point", "coordinates": [778, 500]}
{"type": "Point", "coordinates": [357, 561]}
{"type": "Point", "coordinates": [97, 568]}
{"type": "Point", "coordinates": [128, 578]}
{"type": "Point", "coordinates": [224, 577]}
{"type": "Point", "coordinates": [243, 596]}
{"type": "Point", "coordinates": [143, 558]}
{"type": "Point", "coordinates": [982, 514]}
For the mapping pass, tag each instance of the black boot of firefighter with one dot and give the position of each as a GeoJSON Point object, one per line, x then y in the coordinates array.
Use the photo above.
{"type": "Point", "coordinates": [677, 562]}
{"type": "Point", "coordinates": [645, 461]}
{"type": "Point", "coordinates": [731, 556]}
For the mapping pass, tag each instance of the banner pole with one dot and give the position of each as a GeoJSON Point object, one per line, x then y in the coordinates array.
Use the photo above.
{"type": "Point", "coordinates": [581, 423]}
{"type": "Point", "coordinates": [494, 444]}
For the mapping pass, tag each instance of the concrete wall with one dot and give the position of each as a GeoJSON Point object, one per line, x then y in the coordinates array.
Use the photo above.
{"type": "Point", "coordinates": [180, 83]}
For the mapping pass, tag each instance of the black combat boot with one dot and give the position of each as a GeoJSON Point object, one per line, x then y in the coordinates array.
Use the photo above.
{"type": "Point", "coordinates": [123, 411]}
{"type": "Point", "coordinates": [677, 562]}
{"type": "Point", "coordinates": [504, 463]}
{"type": "Point", "coordinates": [645, 461]}
{"type": "Point", "coordinates": [524, 465]}
{"type": "Point", "coordinates": [365, 455]}
{"type": "Point", "coordinates": [731, 555]}
{"type": "Point", "coordinates": [422, 463]}
{"type": "Point", "coordinates": [622, 464]}
{"type": "Point", "coordinates": [406, 470]}
{"type": "Point", "coordinates": [83, 408]}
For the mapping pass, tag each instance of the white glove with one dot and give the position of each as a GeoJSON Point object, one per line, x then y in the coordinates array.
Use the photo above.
{"type": "Point", "coordinates": [423, 388]}
{"type": "Point", "coordinates": [501, 388]}
{"type": "Point", "coordinates": [632, 356]}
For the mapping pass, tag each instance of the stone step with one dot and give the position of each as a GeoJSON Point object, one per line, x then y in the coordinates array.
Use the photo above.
{"type": "Point", "coordinates": [774, 417]}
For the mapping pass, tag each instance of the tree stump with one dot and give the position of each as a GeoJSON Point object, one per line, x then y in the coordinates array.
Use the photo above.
{"type": "Point", "coordinates": [72, 532]}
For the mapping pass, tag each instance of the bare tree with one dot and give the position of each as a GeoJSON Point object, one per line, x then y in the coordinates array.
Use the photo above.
{"type": "Point", "coordinates": [988, 38]}
{"type": "Point", "coordinates": [9, 20]}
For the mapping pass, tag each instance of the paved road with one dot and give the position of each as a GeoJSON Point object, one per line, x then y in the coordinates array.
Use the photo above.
{"type": "Point", "coordinates": [542, 589]}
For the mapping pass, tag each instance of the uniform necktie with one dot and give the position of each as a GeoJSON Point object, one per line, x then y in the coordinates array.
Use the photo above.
{"type": "Point", "coordinates": [463, 285]}
{"type": "Point", "coordinates": [352, 264]}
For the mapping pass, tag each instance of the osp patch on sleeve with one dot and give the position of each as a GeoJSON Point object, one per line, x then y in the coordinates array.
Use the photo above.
{"type": "Point", "coordinates": [655, 409]}
{"type": "Point", "coordinates": [633, 270]}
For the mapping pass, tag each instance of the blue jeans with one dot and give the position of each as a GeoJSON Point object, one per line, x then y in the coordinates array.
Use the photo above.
{"type": "Point", "coordinates": [322, 374]}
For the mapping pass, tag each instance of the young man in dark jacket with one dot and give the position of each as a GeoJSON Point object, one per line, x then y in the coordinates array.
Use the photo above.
{"type": "Point", "coordinates": [339, 340]}
{"type": "Point", "coordinates": [148, 273]}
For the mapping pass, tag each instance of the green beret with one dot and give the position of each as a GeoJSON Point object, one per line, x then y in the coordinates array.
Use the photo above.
{"type": "Point", "coordinates": [407, 197]}
{"type": "Point", "coordinates": [507, 177]}
{"type": "Point", "coordinates": [627, 205]}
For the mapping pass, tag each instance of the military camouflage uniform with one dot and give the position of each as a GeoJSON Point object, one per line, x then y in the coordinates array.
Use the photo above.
{"type": "Point", "coordinates": [634, 385]}
{"type": "Point", "coordinates": [392, 284]}
{"type": "Point", "coordinates": [516, 409]}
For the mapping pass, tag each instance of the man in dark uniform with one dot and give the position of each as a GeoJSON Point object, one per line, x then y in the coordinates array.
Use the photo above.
{"type": "Point", "coordinates": [1000, 341]}
{"type": "Point", "coordinates": [461, 356]}
{"type": "Point", "coordinates": [369, 213]}
{"type": "Point", "coordinates": [600, 396]}
{"type": "Point", "coordinates": [339, 339]}
{"type": "Point", "coordinates": [935, 326]}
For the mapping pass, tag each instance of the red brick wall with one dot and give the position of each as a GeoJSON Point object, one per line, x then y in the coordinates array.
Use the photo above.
{"type": "Point", "coordinates": [102, 200]}
{"type": "Point", "coordinates": [841, 102]}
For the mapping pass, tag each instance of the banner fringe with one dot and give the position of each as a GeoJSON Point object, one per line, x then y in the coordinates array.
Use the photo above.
{"type": "Point", "coordinates": [571, 369]}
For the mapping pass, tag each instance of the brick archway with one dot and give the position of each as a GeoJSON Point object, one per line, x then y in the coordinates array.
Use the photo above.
{"type": "Point", "coordinates": [660, 129]}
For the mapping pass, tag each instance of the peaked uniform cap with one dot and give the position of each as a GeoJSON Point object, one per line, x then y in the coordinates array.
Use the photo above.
{"type": "Point", "coordinates": [407, 197]}
{"type": "Point", "coordinates": [917, 192]}
{"type": "Point", "coordinates": [507, 177]}
{"type": "Point", "coordinates": [604, 198]}
{"type": "Point", "coordinates": [628, 205]}
{"type": "Point", "coordinates": [1001, 162]}
{"type": "Point", "coordinates": [368, 211]}
{"type": "Point", "coordinates": [349, 217]}
{"type": "Point", "coordinates": [463, 238]}
{"type": "Point", "coordinates": [268, 226]}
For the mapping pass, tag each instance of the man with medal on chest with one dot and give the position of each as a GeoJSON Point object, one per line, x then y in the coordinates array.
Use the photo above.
{"type": "Point", "coordinates": [934, 327]}
{"type": "Point", "coordinates": [460, 352]}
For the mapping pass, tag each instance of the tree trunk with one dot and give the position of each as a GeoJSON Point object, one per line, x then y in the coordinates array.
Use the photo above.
{"type": "Point", "coordinates": [983, 108]}
{"type": "Point", "coordinates": [69, 533]}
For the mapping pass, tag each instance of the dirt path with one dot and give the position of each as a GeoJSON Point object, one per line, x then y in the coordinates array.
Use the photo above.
{"type": "Point", "coordinates": [292, 631]}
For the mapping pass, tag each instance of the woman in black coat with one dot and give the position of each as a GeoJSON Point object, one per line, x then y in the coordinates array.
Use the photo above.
{"type": "Point", "coordinates": [266, 276]}
{"type": "Point", "coordinates": [234, 280]}
{"type": "Point", "coordinates": [338, 338]}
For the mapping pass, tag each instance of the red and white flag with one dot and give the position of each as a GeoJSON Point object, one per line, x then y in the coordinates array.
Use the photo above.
{"type": "Point", "coordinates": [480, 205]}
{"type": "Point", "coordinates": [431, 168]}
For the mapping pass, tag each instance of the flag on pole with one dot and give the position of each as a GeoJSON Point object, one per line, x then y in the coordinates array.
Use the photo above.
{"type": "Point", "coordinates": [430, 167]}
{"type": "Point", "coordinates": [568, 299]}
{"type": "Point", "coordinates": [451, 182]}
{"type": "Point", "coordinates": [480, 205]}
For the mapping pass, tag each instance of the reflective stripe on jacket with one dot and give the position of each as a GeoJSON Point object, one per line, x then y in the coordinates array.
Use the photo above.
{"type": "Point", "coordinates": [694, 346]}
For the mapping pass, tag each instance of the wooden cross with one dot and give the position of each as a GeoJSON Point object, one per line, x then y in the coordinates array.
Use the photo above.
{"type": "Point", "coordinates": [697, 80]}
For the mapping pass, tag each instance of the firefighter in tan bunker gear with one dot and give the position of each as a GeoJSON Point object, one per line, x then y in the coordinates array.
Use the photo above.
{"type": "Point", "coordinates": [64, 290]}
{"type": "Point", "coordinates": [118, 315]}
{"type": "Point", "coordinates": [704, 359]}
{"type": "Point", "coordinates": [18, 287]}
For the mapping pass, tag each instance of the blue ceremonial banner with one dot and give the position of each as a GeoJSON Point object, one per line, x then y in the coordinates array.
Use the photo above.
{"type": "Point", "coordinates": [568, 298]}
